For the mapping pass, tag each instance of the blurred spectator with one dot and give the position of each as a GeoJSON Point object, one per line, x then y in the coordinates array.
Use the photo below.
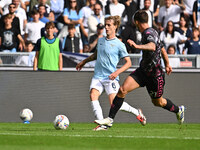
{"type": "Point", "coordinates": [34, 2]}
{"type": "Point", "coordinates": [26, 60]}
{"type": "Point", "coordinates": [80, 3]}
{"type": "Point", "coordinates": [25, 4]}
{"type": "Point", "coordinates": [184, 30]}
{"type": "Point", "coordinates": [71, 43]}
{"type": "Point", "coordinates": [171, 37]}
{"type": "Point", "coordinates": [95, 19]}
{"type": "Point", "coordinates": [104, 3]}
{"type": "Point", "coordinates": [15, 22]}
{"type": "Point", "coordinates": [147, 4]}
{"type": "Point", "coordinates": [9, 36]}
{"type": "Point", "coordinates": [48, 51]}
{"type": "Point", "coordinates": [193, 45]}
{"type": "Point", "coordinates": [114, 8]}
{"type": "Point", "coordinates": [72, 15]}
{"type": "Point", "coordinates": [196, 14]}
{"type": "Point", "coordinates": [169, 12]}
{"type": "Point", "coordinates": [87, 12]}
{"type": "Point", "coordinates": [47, 7]}
{"type": "Point", "coordinates": [42, 10]}
{"type": "Point", "coordinates": [21, 14]}
{"type": "Point", "coordinates": [33, 29]}
{"type": "Point", "coordinates": [173, 61]}
{"type": "Point", "coordinates": [142, 5]}
{"type": "Point", "coordinates": [188, 9]}
{"type": "Point", "coordinates": [130, 8]}
{"type": "Point", "coordinates": [4, 6]}
{"type": "Point", "coordinates": [57, 6]}
{"type": "Point", "coordinates": [94, 38]}
{"type": "Point", "coordinates": [130, 32]}
{"type": "Point", "coordinates": [48, 13]}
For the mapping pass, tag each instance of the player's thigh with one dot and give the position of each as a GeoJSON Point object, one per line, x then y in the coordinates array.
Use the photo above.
{"type": "Point", "coordinates": [129, 85]}
{"type": "Point", "coordinates": [96, 88]}
{"type": "Point", "coordinates": [111, 86]}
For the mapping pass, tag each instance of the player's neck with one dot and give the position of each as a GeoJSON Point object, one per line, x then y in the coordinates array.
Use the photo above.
{"type": "Point", "coordinates": [143, 27]}
{"type": "Point", "coordinates": [111, 36]}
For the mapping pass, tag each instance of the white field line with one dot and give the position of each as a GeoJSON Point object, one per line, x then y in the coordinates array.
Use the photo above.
{"type": "Point", "coordinates": [106, 136]}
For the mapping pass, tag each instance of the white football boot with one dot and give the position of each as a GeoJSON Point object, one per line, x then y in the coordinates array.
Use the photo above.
{"type": "Point", "coordinates": [107, 121]}
{"type": "Point", "coordinates": [180, 114]}
{"type": "Point", "coordinates": [141, 117]}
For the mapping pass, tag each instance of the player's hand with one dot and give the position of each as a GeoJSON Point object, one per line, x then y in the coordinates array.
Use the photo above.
{"type": "Point", "coordinates": [79, 66]}
{"type": "Point", "coordinates": [132, 43]}
{"type": "Point", "coordinates": [113, 76]}
{"type": "Point", "coordinates": [168, 69]}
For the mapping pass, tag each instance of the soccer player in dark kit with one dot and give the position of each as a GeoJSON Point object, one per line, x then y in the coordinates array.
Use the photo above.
{"type": "Point", "coordinates": [149, 74]}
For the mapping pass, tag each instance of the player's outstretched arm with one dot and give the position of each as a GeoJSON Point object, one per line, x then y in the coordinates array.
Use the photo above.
{"type": "Point", "coordinates": [92, 57]}
{"type": "Point", "coordinates": [122, 69]}
{"type": "Point", "coordinates": [168, 68]}
{"type": "Point", "coordinates": [149, 46]}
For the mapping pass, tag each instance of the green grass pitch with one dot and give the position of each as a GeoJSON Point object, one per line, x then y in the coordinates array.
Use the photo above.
{"type": "Point", "coordinates": [122, 136]}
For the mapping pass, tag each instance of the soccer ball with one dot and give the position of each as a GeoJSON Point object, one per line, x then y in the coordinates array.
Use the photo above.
{"type": "Point", "coordinates": [61, 122]}
{"type": "Point", "coordinates": [26, 115]}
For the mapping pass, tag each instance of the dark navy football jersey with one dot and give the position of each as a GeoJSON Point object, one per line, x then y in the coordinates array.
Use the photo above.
{"type": "Point", "coordinates": [151, 59]}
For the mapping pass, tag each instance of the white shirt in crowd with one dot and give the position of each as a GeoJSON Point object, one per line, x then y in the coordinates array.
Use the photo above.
{"type": "Point", "coordinates": [33, 29]}
{"type": "Point", "coordinates": [166, 14]}
{"type": "Point", "coordinates": [116, 9]}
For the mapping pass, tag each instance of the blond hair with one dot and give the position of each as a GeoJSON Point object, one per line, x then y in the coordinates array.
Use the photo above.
{"type": "Point", "coordinates": [116, 20]}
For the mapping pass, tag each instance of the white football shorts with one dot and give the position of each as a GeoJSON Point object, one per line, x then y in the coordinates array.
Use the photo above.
{"type": "Point", "coordinates": [110, 86]}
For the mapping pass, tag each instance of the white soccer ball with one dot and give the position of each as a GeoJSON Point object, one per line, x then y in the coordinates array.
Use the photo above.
{"type": "Point", "coordinates": [61, 122]}
{"type": "Point", "coordinates": [26, 114]}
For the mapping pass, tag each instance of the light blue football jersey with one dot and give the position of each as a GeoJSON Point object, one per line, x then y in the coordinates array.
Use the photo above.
{"type": "Point", "coordinates": [109, 52]}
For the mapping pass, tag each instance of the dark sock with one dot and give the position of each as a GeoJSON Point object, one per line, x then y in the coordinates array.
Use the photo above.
{"type": "Point", "coordinates": [171, 107]}
{"type": "Point", "coordinates": [117, 103]}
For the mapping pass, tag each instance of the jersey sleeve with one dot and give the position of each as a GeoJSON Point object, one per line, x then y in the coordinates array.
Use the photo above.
{"type": "Point", "coordinates": [150, 37]}
{"type": "Point", "coordinates": [123, 51]}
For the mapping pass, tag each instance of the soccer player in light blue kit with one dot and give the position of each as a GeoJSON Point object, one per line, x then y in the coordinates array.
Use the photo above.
{"type": "Point", "coordinates": [106, 75]}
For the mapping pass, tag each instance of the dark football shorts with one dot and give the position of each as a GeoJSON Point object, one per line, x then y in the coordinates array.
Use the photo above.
{"type": "Point", "coordinates": [154, 83]}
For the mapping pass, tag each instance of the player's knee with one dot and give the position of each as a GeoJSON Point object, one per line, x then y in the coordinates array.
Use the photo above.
{"type": "Point", "coordinates": [122, 92]}
{"type": "Point", "coordinates": [158, 102]}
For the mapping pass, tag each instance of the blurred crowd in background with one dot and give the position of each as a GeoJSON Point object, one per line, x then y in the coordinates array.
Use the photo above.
{"type": "Point", "coordinates": [80, 23]}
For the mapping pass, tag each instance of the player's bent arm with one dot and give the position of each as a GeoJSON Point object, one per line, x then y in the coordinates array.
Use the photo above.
{"type": "Point", "coordinates": [35, 61]}
{"type": "Point", "coordinates": [60, 62]}
{"type": "Point", "coordinates": [90, 58]}
{"type": "Point", "coordinates": [122, 69]}
{"type": "Point", "coordinates": [149, 46]}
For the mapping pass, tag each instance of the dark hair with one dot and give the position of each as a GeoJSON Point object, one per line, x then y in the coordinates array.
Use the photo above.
{"type": "Point", "coordinates": [9, 16]}
{"type": "Point", "coordinates": [186, 20]}
{"type": "Point", "coordinates": [28, 42]}
{"type": "Point", "coordinates": [76, 8]}
{"type": "Point", "coordinates": [11, 4]}
{"type": "Point", "coordinates": [99, 3]}
{"type": "Point", "coordinates": [141, 16]}
{"type": "Point", "coordinates": [167, 31]}
{"type": "Point", "coordinates": [34, 11]}
{"type": "Point", "coordinates": [41, 5]}
{"type": "Point", "coordinates": [49, 24]}
{"type": "Point", "coordinates": [173, 46]}
{"type": "Point", "coordinates": [195, 29]}
{"type": "Point", "coordinates": [71, 26]}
